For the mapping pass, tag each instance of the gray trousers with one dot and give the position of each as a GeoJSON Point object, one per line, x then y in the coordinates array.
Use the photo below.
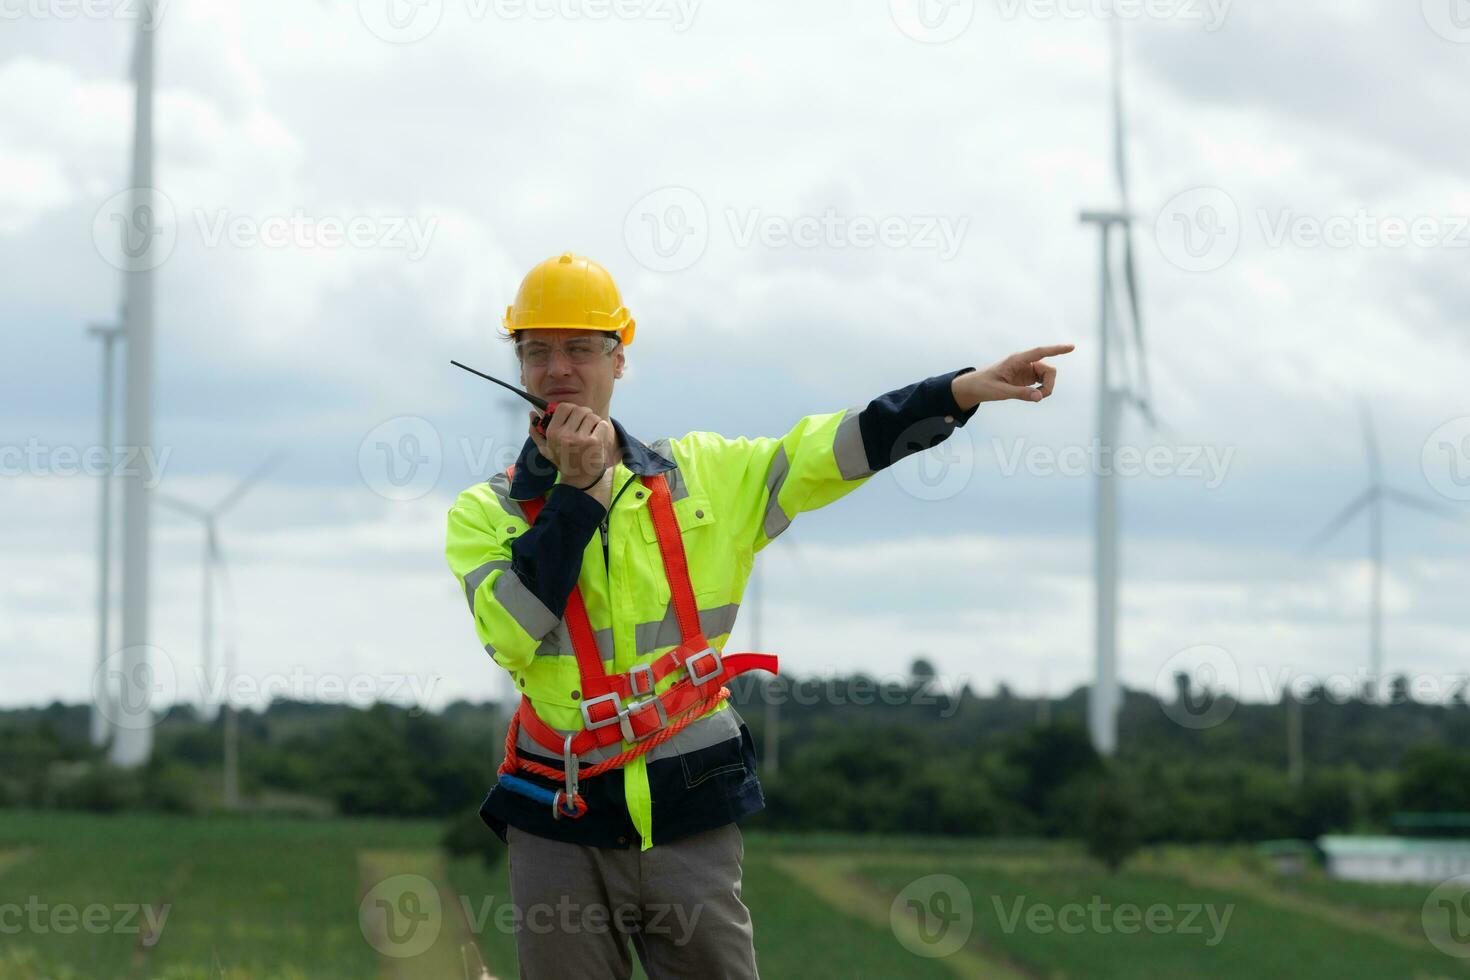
{"type": "Point", "coordinates": [577, 907]}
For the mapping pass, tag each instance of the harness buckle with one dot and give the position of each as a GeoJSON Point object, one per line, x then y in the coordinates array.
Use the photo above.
{"type": "Point", "coordinates": [699, 677]}
{"type": "Point", "coordinates": [635, 707]}
{"type": "Point", "coordinates": [617, 705]}
{"type": "Point", "coordinates": [644, 671]}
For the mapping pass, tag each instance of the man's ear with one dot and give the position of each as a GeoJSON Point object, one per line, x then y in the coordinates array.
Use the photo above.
{"type": "Point", "coordinates": [619, 361]}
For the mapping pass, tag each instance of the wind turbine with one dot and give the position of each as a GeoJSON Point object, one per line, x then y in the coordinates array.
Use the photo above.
{"type": "Point", "coordinates": [213, 557]}
{"type": "Point", "coordinates": [1122, 381]}
{"type": "Point", "coordinates": [100, 728]}
{"type": "Point", "coordinates": [132, 743]}
{"type": "Point", "coordinates": [1372, 499]}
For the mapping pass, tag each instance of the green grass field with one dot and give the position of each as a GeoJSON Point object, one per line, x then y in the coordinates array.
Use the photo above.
{"type": "Point", "coordinates": [278, 899]}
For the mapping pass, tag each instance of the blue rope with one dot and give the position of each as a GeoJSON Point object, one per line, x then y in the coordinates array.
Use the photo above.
{"type": "Point", "coordinates": [518, 785]}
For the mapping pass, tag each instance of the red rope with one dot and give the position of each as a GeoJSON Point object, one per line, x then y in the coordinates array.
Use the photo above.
{"type": "Point", "coordinates": [513, 762]}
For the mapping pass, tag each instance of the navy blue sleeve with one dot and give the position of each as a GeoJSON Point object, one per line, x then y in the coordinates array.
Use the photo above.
{"type": "Point", "coordinates": [548, 556]}
{"type": "Point", "coordinates": [911, 419]}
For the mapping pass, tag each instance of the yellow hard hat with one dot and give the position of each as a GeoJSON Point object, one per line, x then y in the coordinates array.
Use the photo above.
{"type": "Point", "coordinates": [569, 292]}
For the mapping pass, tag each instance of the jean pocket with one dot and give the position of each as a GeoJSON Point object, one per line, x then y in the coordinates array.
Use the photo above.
{"type": "Point", "coordinates": [702, 765]}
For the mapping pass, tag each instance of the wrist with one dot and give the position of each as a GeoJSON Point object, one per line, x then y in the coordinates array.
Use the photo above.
{"type": "Point", "coordinates": [585, 485]}
{"type": "Point", "coordinates": [959, 390]}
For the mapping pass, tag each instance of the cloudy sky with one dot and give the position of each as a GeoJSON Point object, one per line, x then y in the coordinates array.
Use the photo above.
{"type": "Point", "coordinates": [805, 205]}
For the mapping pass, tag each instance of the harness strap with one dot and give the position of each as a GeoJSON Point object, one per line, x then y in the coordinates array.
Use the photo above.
{"type": "Point", "coordinates": [650, 719]}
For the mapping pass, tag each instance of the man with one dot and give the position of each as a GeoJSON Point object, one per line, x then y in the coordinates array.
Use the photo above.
{"type": "Point", "coordinates": [605, 574]}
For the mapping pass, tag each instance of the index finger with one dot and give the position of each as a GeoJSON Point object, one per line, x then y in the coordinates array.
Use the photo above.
{"type": "Point", "coordinates": [1037, 353]}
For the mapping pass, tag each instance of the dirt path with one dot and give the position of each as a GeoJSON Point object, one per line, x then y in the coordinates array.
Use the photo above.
{"type": "Point", "coordinates": [835, 880]}
{"type": "Point", "coordinates": [411, 915]}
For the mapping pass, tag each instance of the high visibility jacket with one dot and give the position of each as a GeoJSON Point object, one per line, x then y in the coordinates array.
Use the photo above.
{"type": "Point", "coordinates": [731, 497]}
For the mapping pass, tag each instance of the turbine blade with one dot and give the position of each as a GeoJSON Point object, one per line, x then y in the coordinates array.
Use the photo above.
{"type": "Point", "coordinates": [1370, 442]}
{"type": "Point", "coordinates": [168, 500]}
{"type": "Point", "coordinates": [1418, 502]}
{"type": "Point", "coordinates": [1130, 272]}
{"type": "Point", "coordinates": [1120, 163]}
{"type": "Point", "coordinates": [1347, 514]}
{"type": "Point", "coordinates": [254, 477]}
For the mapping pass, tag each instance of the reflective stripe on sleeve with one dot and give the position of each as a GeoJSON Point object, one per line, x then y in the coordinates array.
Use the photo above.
{"type": "Point", "coordinates": [473, 579]}
{"type": "Point", "coordinates": [529, 612]}
{"type": "Point", "coordinates": [847, 448]}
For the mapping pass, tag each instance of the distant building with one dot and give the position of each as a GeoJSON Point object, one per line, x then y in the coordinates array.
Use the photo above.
{"type": "Point", "coordinates": [1403, 859]}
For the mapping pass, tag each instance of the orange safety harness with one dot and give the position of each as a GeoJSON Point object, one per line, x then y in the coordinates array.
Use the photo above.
{"type": "Point", "coordinates": [623, 707]}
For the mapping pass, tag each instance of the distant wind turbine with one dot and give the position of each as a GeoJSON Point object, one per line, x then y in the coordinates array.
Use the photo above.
{"type": "Point", "coordinates": [1122, 381]}
{"type": "Point", "coordinates": [1372, 500]}
{"type": "Point", "coordinates": [213, 558]}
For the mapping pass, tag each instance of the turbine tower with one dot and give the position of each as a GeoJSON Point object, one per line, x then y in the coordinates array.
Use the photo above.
{"type": "Point", "coordinates": [132, 742]}
{"type": "Point", "coordinates": [1122, 381]}
{"type": "Point", "coordinates": [1372, 499]}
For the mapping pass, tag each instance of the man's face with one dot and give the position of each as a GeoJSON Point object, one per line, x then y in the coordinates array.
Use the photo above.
{"type": "Point", "coordinates": [565, 377]}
